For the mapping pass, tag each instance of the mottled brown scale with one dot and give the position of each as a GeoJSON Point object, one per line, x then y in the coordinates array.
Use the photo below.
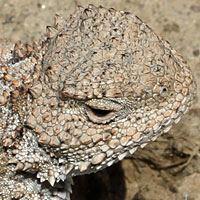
{"type": "Point", "coordinates": [99, 85]}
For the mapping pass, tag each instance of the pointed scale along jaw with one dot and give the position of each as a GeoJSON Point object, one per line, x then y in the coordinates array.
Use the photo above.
{"type": "Point", "coordinates": [111, 86]}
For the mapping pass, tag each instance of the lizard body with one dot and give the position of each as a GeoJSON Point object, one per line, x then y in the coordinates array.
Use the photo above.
{"type": "Point", "coordinates": [96, 87]}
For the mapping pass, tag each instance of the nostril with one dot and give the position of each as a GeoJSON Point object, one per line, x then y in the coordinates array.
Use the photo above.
{"type": "Point", "coordinates": [164, 92]}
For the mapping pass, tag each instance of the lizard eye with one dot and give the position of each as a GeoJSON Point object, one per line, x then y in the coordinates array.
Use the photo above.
{"type": "Point", "coordinates": [101, 111]}
{"type": "Point", "coordinates": [100, 116]}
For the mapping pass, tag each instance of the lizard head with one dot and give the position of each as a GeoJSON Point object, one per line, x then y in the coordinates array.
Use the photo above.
{"type": "Point", "coordinates": [111, 85]}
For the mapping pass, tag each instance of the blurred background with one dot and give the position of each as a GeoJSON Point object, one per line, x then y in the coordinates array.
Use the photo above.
{"type": "Point", "coordinates": [168, 169]}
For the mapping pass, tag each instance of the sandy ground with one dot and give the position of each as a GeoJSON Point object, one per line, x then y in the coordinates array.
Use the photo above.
{"type": "Point", "coordinates": [168, 169]}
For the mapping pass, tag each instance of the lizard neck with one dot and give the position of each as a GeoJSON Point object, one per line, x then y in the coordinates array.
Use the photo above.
{"type": "Point", "coordinates": [20, 68]}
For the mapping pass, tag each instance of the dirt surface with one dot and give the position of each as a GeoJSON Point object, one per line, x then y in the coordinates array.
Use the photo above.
{"type": "Point", "coordinates": [168, 169]}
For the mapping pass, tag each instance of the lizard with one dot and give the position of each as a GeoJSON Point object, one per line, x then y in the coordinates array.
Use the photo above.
{"type": "Point", "coordinates": [97, 86]}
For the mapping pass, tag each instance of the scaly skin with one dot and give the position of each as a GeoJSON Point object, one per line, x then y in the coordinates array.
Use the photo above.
{"type": "Point", "coordinates": [98, 86]}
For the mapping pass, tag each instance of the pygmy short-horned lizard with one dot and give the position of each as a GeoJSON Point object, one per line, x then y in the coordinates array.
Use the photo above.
{"type": "Point", "coordinates": [98, 86]}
